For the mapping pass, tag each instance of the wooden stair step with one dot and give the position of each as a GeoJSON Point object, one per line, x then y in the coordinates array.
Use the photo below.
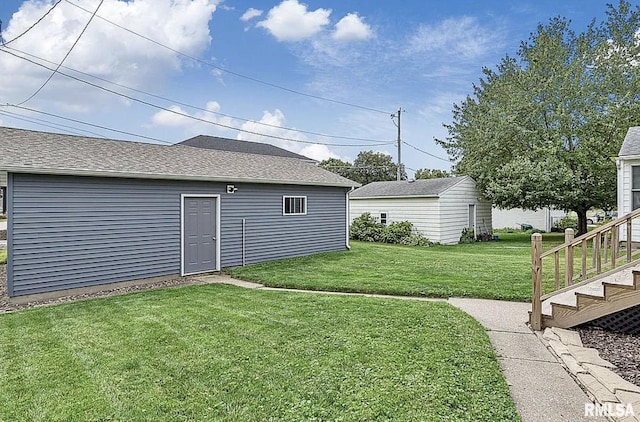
{"type": "Point", "coordinates": [592, 300]}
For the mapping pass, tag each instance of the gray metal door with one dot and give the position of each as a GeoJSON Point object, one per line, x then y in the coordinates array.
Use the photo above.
{"type": "Point", "coordinates": [199, 234]}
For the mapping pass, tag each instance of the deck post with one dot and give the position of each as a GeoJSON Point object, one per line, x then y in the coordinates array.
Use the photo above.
{"type": "Point", "coordinates": [568, 258]}
{"type": "Point", "coordinates": [536, 278]}
{"type": "Point", "coordinates": [614, 246]}
{"type": "Point", "coordinates": [629, 243]}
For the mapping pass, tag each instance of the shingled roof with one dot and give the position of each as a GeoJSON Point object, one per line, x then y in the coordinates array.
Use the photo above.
{"type": "Point", "coordinates": [420, 187]}
{"type": "Point", "coordinates": [52, 153]}
{"type": "Point", "coordinates": [631, 143]}
{"type": "Point", "coordinates": [248, 147]}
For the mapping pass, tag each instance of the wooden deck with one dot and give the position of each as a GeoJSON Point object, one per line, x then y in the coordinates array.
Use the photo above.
{"type": "Point", "coordinates": [607, 279]}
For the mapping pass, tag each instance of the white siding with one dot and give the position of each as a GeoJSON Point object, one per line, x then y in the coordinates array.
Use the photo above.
{"type": "Point", "coordinates": [421, 212]}
{"type": "Point", "coordinates": [624, 195]}
{"type": "Point", "coordinates": [512, 218]}
{"type": "Point", "coordinates": [3, 179]}
{"type": "Point", "coordinates": [485, 219]}
{"type": "Point", "coordinates": [454, 211]}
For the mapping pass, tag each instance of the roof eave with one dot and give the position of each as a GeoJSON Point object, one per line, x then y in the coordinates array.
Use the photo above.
{"type": "Point", "coordinates": [163, 176]}
{"type": "Point", "coordinates": [394, 196]}
{"type": "Point", "coordinates": [629, 157]}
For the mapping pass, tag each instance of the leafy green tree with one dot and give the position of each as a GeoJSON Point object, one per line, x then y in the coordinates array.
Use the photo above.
{"type": "Point", "coordinates": [543, 128]}
{"type": "Point", "coordinates": [343, 168]}
{"type": "Point", "coordinates": [372, 166]}
{"type": "Point", "coordinates": [431, 174]}
{"type": "Point", "coordinates": [368, 167]}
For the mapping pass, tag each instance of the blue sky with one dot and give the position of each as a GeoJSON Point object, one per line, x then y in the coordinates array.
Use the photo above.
{"type": "Point", "coordinates": [253, 59]}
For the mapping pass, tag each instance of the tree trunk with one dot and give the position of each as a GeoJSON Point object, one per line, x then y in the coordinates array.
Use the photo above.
{"type": "Point", "coordinates": [582, 221]}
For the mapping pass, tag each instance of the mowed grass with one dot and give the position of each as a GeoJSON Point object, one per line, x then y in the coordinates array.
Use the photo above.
{"type": "Point", "coordinates": [221, 353]}
{"type": "Point", "coordinates": [495, 270]}
{"type": "Point", "coordinates": [3, 256]}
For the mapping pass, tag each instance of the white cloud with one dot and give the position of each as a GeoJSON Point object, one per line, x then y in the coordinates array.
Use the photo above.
{"type": "Point", "coordinates": [271, 124]}
{"type": "Point", "coordinates": [275, 121]}
{"type": "Point", "coordinates": [291, 21]}
{"type": "Point", "coordinates": [171, 118]}
{"type": "Point", "coordinates": [250, 14]}
{"type": "Point", "coordinates": [104, 49]}
{"type": "Point", "coordinates": [318, 152]}
{"type": "Point", "coordinates": [464, 38]}
{"type": "Point", "coordinates": [352, 28]}
{"type": "Point", "coordinates": [202, 121]}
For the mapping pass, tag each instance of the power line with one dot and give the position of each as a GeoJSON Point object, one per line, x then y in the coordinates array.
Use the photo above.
{"type": "Point", "coordinates": [89, 124]}
{"type": "Point", "coordinates": [196, 107]}
{"type": "Point", "coordinates": [207, 63]}
{"type": "Point", "coordinates": [34, 24]}
{"type": "Point", "coordinates": [46, 123]}
{"type": "Point", "coordinates": [184, 114]}
{"type": "Point", "coordinates": [425, 152]}
{"type": "Point", "coordinates": [65, 56]}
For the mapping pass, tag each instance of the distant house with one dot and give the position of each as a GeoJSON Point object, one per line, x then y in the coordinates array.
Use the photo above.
{"type": "Point", "coordinates": [438, 208]}
{"type": "Point", "coordinates": [84, 211]}
{"type": "Point", "coordinates": [514, 218]}
{"type": "Point", "coordinates": [628, 163]}
{"type": "Point", "coordinates": [247, 147]}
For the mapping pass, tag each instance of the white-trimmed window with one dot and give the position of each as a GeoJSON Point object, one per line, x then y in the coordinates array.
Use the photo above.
{"type": "Point", "coordinates": [294, 205]}
{"type": "Point", "coordinates": [635, 187]}
{"type": "Point", "coordinates": [384, 218]}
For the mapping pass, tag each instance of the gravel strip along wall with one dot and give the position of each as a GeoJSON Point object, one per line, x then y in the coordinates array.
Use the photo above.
{"type": "Point", "coordinates": [7, 306]}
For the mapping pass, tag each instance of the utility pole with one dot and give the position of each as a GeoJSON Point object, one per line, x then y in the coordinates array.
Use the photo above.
{"type": "Point", "coordinates": [394, 115]}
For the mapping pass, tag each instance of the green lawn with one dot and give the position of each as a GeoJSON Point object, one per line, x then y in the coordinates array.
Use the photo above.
{"type": "Point", "coordinates": [222, 353]}
{"type": "Point", "coordinates": [496, 270]}
{"type": "Point", "coordinates": [3, 256]}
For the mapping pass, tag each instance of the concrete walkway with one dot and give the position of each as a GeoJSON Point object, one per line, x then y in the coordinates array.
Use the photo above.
{"type": "Point", "coordinates": [540, 386]}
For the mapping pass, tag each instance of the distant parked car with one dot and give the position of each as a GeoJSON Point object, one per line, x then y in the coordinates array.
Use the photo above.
{"type": "Point", "coordinates": [595, 219]}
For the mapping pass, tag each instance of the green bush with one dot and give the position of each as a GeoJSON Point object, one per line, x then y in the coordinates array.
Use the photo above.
{"type": "Point", "coordinates": [395, 232]}
{"type": "Point", "coordinates": [467, 235]}
{"type": "Point", "coordinates": [366, 228]}
{"type": "Point", "coordinates": [566, 223]}
{"type": "Point", "coordinates": [415, 239]}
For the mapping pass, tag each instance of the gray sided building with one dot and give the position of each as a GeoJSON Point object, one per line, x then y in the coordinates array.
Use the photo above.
{"type": "Point", "coordinates": [86, 211]}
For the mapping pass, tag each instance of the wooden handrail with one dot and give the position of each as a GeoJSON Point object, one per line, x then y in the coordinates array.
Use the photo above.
{"type": "Point", "coordinates": [604, 258]}
{"type": "Point", "coordinates": [590, 235]}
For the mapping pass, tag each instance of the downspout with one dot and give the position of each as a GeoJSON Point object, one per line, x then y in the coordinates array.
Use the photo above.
{"type": "Point", "coordinates": [244, 231]}
{"type": "Point", "coordinates": [10, 219]}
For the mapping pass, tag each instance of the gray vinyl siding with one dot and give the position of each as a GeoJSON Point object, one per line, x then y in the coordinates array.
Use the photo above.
{"type": "Point", "coordinates": [68, 232]}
